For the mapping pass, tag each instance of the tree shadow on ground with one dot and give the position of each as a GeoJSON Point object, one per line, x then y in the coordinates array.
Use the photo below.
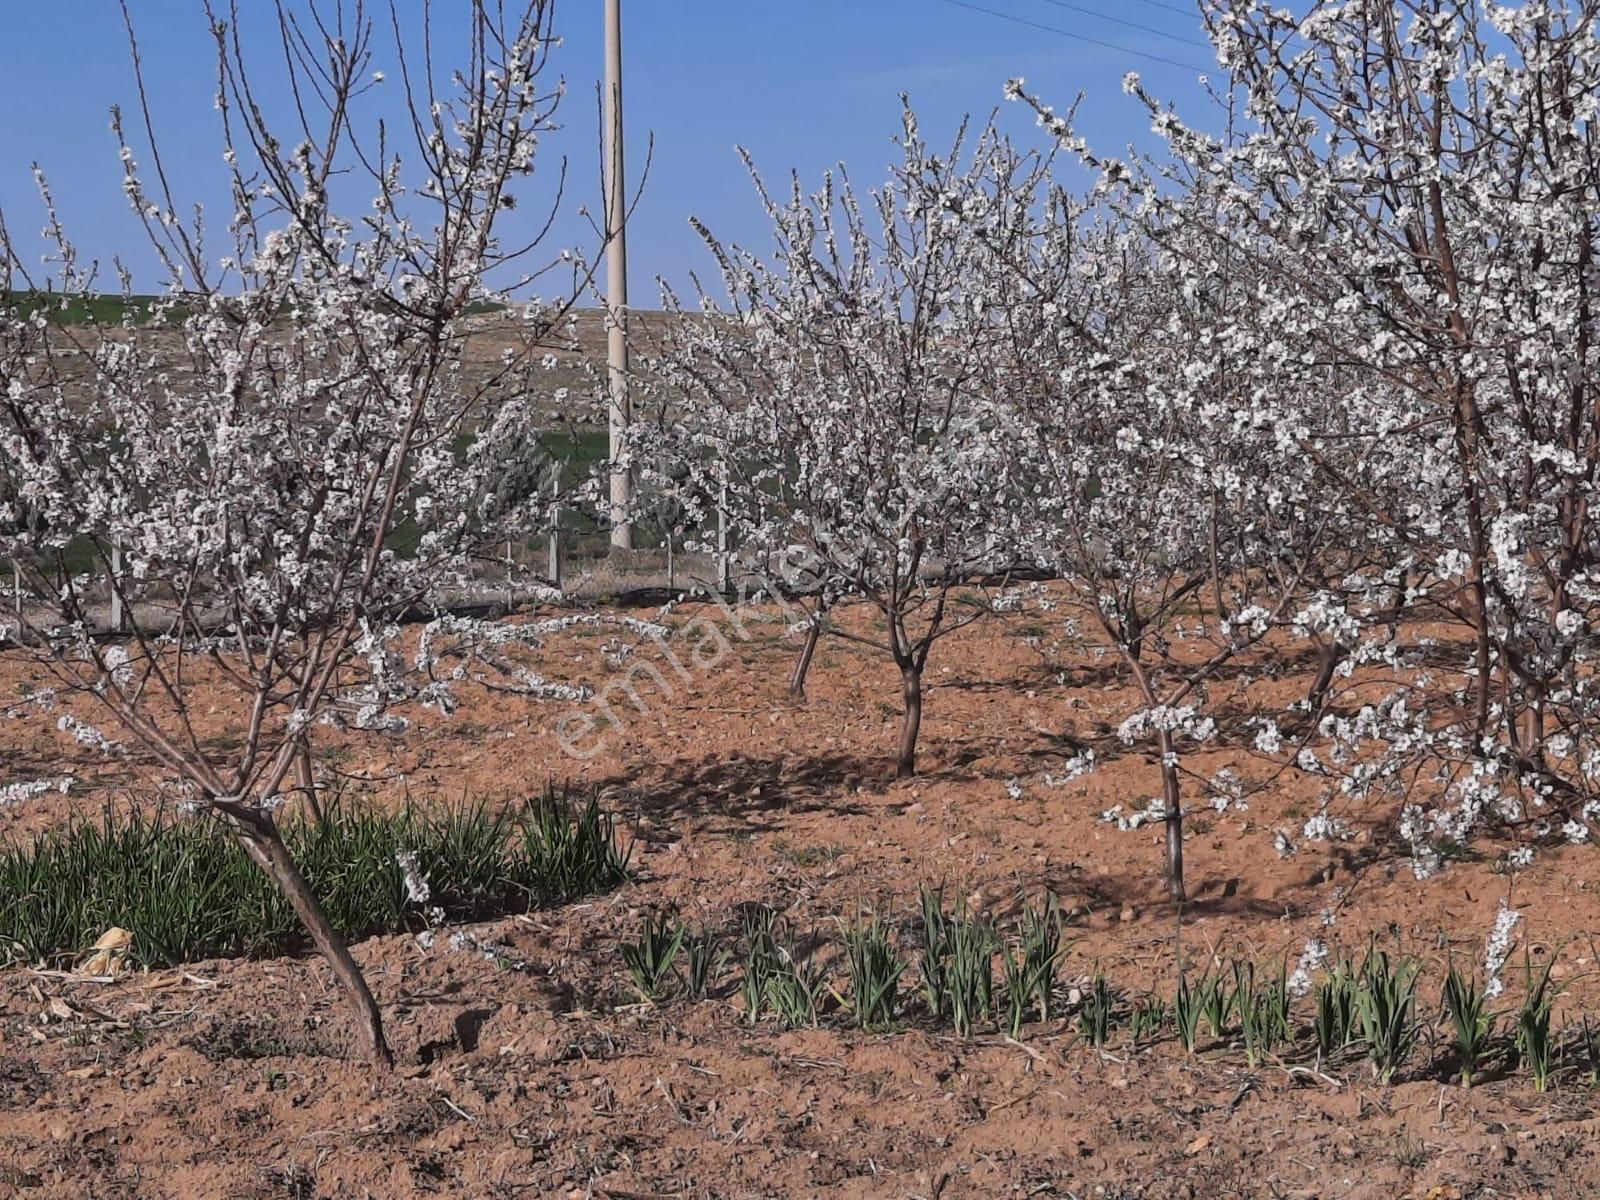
{"type": "Point", "coordinates": [1139, 897]}
{"type": "Point", "coordinates": [744, 794]}
{"type": "Point", "coordinates": [1064, 678]}
{"type": "Point", "coordinates": [1143, 899]}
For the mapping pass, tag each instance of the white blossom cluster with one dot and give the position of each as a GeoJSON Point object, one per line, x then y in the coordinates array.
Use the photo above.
{"type": "Point", "coordinates": [27, 789]}
{"type": "Point", "coordinates": [285, 454]}
{"type": "Point", "coordinates": [1501, 939]}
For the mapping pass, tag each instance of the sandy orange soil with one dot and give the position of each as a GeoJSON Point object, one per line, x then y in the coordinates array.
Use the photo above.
{"type": "Point", "coordinates": [540, 1075]}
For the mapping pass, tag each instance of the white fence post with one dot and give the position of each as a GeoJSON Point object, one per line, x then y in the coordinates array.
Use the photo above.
{"type": "Point", "coordinates": [724, 571]}
{"type": "Point", "coordinates": [511, 588]}
{"type": "Point", "coordinates": [554, 564]}
{"type": "Point", "coordinates": [119, 617]}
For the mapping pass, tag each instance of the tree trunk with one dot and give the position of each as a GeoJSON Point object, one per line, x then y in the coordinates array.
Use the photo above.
{"type": "Point", "coordinates": [1399, 607]}
{"type": "Point", "coordinates": [911, 693]}
{"type": "Point", "coordinates": [264, 843]}
{"type": "Point", "coordinates": [305, 782]}
{"type": "Point", "coordinates": [1481, 660]}
{"type": "Point", "coordinates": [1330, 656]}
{"type": "Point", "coordinates": [1533, 726]}
{"type": "Point", "coordinates": [802, 665]}
{"type": "Point", "coordinates": [1174, 806]}
{"type": "Point", "coordinates": [1216, 563]}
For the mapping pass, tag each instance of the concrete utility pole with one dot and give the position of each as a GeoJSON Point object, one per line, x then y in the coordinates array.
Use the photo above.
{"type": "Point", "coordinates": [617, 282]}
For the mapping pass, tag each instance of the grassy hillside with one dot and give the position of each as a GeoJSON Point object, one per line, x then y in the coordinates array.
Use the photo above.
{"type": "Point", "coordinates": [112, 308]}
{"type": "Point", "coordinates": [85, 309]}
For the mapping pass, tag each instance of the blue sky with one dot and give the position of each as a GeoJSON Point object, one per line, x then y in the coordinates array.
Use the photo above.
{"type": "Point", "coordinates": [801, 83]}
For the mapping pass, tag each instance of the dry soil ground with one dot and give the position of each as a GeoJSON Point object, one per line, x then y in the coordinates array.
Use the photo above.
{"type": "Point", "coordinates": [538, 1075]}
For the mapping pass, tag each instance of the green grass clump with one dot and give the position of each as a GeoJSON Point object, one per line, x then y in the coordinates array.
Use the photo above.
{"type": "Point", "coordinates": [1386, 999]}
{"type": "Point", "coordinates": [1262, 1005]}
{"type": "Point", "coordinates": [875, 971]}
{"type": "Point", "coordinates": [650, 960]}
{"type": "Point", "coordinates": [1187, 1008]}
{"type": "Point", "coordinates": [778, 976]}
{"type": "Point", "coordinates": [1466, 1004]}
{"type": "Point", "coordinates": [1031, 976]}
{"type": "Point", "coordinates": [1206, 999]}
{"type": "Point", "coordinates": [1148, 1018]}
{"type": "Point", "coordinates": [1097, 1013]}
{"type": "Point", "coordinates": [703, 959]}
{"type": "Point", "coordinates": [957, 963]}
{"type": "Point", "coordinates": [1337, 1022]}
{"type": "Point", "coordinates": [184, 888]}
{"type": "Point", "coordinates": [759, 960]}
{"type": "Point", "coordinates": [1533, 1042]}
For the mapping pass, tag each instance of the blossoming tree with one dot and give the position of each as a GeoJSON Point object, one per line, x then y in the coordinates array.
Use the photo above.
{"type": "Point", "coordinates": [1174, 506]}
{"type": "Point", "coordinates": [830, 405]}
{"type": "Point", "coordinates": [1445, 189]}
{"type": "Point", "coordinates": [269, 471]}
{"type": "Point", "coordinates": [1413, 184]}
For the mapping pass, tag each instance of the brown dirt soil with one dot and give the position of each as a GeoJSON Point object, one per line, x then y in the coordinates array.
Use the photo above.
{"type": "Point", "coordinates": [537, 1074]}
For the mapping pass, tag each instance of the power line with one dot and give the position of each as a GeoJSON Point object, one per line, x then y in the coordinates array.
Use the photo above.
{"type": "Point", "coordinates": [1081, 37]}
{"type": "Point", "coordinates": [1151, 29]}
{"type": "Point", "coordinates": [1191, 11]}
{"type": "Point", "coordinates": [1181, 10]}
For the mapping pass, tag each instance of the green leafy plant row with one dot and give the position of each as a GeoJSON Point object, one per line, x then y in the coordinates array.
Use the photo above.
{"type": "Point", "coordinates": [1358, 1009]}
{"type": "Point", "coordinates": [185, 890]}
